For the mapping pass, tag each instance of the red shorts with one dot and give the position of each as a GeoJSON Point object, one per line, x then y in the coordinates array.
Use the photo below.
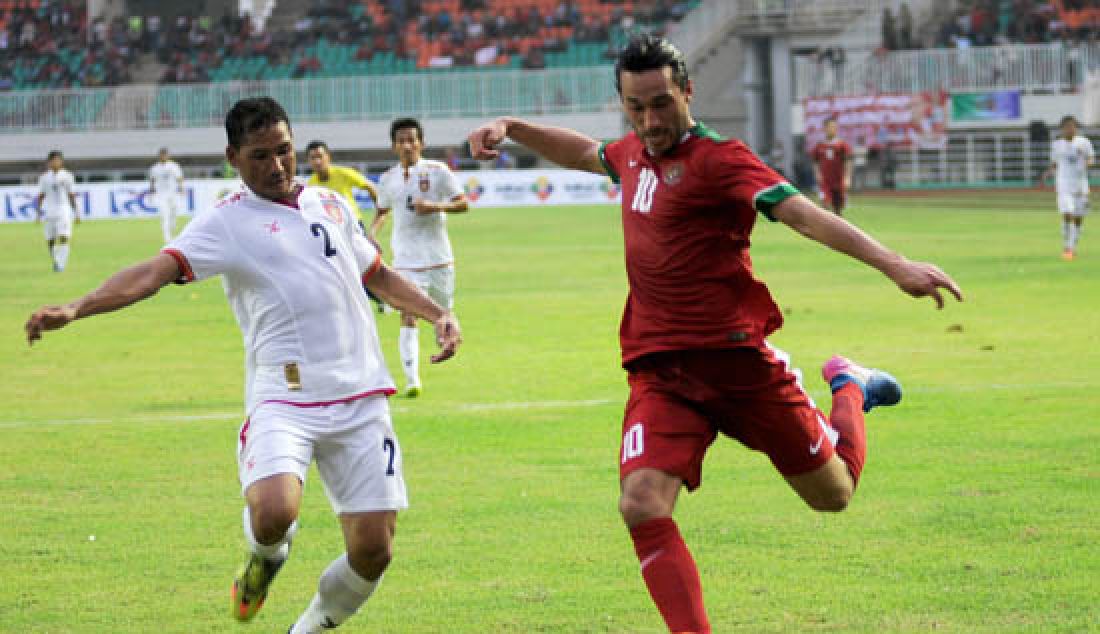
{"type": "Point", "coordinates": [835, 197]}
{"type": "Point", "coordinates": [680, 401]}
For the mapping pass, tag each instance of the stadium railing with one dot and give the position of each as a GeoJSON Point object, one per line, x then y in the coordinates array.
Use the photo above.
{"type": "Point", "coordinates": [804, 15]}
{"type": "Point", "coordinates": [430, 94]}
{"type": "Point", "coordinates": [1031, 68]}
{"type": "Point", "coordinates": [985, 159]}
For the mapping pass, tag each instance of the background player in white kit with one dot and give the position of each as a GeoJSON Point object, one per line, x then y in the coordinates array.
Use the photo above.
{"type": "Point", "coordinates": [57, 204]}
{"type": "Point", "coordinates": [421, 192]}
{"type": "Point", "coordinates": [293, 259]}
{"type": "Point", "coordinates": [1071, 155]}
{"type": "Point", "coordinates": [166, 185]}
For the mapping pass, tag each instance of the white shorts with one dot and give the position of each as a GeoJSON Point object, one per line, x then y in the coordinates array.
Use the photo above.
{"type": "Point", "coordinates": [353, 442]}
{"type": "Point", "coordinates": [1076, 204]}
{"type": "Point", "coordinates": [438, 283]}
{"type": "Point", "coordinates": [57, 226]}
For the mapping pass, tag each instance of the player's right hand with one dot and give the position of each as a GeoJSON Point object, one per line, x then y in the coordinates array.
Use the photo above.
{"type": "Point", "coordinates": [484, 140]}
{"type": "Point", "coordinates": [448, 335]}
{"type": "Point", "coordinates": [48, 318]}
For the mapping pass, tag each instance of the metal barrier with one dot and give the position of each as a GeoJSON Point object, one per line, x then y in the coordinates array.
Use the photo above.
{"type": "Point", "coordinates": [429, 94]}
{"type": "Point", "coordinates": [969, 160]}
{"type": "Point", "coordinates": [1054, 67]}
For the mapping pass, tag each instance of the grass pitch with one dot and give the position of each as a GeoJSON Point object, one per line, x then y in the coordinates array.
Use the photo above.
{"type": "Point", "coordinates": [976, 512]}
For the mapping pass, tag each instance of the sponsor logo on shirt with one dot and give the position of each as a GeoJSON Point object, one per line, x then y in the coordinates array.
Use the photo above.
{"type": "Point", "coordinates": [332, 207]}
{"type": "Point", "coordinates": [673, 174]}
{"type": "Point", "coordinates": [425, 183]}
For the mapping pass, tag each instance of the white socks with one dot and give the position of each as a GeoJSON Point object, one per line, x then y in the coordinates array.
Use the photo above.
{"type": "Point", "coordinates": [60, 253]}
{"type": "Point", "coordinates": [340, 594]}
{"type": "Point", "coordinates": [408, 342]}
{"type": "Point", "coordinates": [271, 552]}
{"type": "Point", "coordinates": [168, 224]}
{"type": "Point", "coordinates": [1071, 232]}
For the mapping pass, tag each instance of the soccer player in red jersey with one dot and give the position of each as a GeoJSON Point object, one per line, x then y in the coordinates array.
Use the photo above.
{"type": "Point", "coordinates": [694, 330]}
{"type": "Point", "coordinates": [833, 168]}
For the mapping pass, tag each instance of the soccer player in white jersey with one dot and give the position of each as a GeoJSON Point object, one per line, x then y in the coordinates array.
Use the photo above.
{"type": "Point", "coordinates": [420, 193]}
{"type": "Point", "coordinates": [166, 186]}
{"type": "Point", "coordinates": [1071, 155]}
{"type": "Point", "coordinates": [57, 204]}
{"type": "Point", "coordinates": [292, 259]}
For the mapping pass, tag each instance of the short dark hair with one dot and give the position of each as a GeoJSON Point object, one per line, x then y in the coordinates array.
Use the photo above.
{"type": "Point", "coordinates": [313, 145]}
{"type": "Point", "coordinates": [1068, 119]}
{"type": "Point", "coordinates": [646, 51]}
{"type": "Point", "coordinates": [406, 122]}
{"type": "Point", "coordinates": [54, 153]}
{"type": "Point", "coordinates": [251, 114]}
{"type": "Point", "coordinates": [830, 118]}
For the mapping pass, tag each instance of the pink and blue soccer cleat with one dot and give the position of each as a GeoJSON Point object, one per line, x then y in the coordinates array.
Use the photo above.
{"type": "Point", "coordinates": [879, 388]}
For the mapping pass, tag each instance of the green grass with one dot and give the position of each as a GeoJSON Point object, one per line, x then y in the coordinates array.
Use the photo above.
{"type": "Point", "coordinates": [976, 513]}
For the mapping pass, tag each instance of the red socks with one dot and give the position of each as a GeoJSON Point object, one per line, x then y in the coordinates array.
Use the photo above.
{"type": "Point", "coordinates": [670, 574]}
{"type": "Point", "coordinates": [847, 419]}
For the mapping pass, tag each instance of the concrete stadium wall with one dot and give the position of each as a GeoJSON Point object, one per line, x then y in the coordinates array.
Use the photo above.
{"type": "Point", "coordinates": [195, 142]}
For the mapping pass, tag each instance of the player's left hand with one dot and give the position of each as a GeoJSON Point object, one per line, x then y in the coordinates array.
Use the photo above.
{"type": "Point", "coordinates": [48, 318]}
{"type": "Point", "coordinates": [921, 279]}
{"type": "Point", "coordinates": [448, 335]}
{"type": "Point", "coordinates": [425, 207]}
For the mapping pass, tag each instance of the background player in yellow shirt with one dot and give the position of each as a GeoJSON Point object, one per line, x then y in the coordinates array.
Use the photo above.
{"type": "Point", "coordinates": [344, 181]}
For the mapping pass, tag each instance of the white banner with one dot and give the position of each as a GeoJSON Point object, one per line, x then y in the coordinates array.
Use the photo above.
{"type": "Point", "coordinates": [114, 200]}
{"type": "Point", "coordinates": [503, 188]}
{"type": "Point", "coordinates": [509, 188]}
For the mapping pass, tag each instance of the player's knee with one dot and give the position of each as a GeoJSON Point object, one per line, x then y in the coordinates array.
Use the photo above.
{"type": "Point", "coordinates": [640, 503]}
{"type": "Point", "coordinates": [832, 499]}
{"type": "Point", "coordinates": [63, 239]}
{"type": "Point", "coordinates": [271, 523]}
{"type": "Point", "coordinates": [370, 559]}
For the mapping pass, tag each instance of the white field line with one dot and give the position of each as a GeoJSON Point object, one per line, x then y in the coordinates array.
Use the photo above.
{"type": "Point", "coordinates": [506, 405]}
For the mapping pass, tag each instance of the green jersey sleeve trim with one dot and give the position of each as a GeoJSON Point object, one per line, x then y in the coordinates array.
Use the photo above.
{"type": "Point", "coordinates": [766, 199]}
{"type": "Point", "coordinates": [606, 165]}
{"type": "Point", "coordinates": [700, 129]}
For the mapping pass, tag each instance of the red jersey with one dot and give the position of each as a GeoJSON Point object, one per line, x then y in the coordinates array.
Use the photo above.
{"type": "Point", "coordinates": [830, 157]}
{"type": "Point", "coordinates": [687, 216]}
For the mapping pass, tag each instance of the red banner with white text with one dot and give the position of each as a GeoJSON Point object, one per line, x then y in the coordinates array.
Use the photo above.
{"type": "Point", "coordinates": [873, 121]}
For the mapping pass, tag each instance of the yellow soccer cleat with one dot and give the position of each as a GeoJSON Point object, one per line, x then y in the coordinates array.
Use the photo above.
{"type": "Point", "coordinates": [250, 587]}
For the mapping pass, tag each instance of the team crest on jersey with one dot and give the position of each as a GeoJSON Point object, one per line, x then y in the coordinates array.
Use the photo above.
{"type": "Point", "coordinates": [333, 209]}
{"type": "Point", "coordinates": [425, 183]}
{"type": "Point", "coordinates": [673, 174]}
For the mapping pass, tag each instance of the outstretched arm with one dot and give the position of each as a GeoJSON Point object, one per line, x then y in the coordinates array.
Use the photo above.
{"type": "Point", "coordinates": [919, 279]}
{"type": "Point", "coordinates": [563, 146]}
{"type": "Point", "coordinates": [405, 296]}
{"type": "Point", "coordinates": [128, 286]}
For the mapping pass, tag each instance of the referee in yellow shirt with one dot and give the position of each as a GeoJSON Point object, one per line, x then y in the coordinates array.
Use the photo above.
{"type": "Point", "coordinates": [342, 180]}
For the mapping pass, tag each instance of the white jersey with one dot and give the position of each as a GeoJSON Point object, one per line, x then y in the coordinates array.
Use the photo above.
{"type": "Point", "coordinates": [293, 277]}
{"type": "Point", "coordinates": [419, 240]}
{"type": "Point", "coordinates": [165, 177]}
{"type": "Point", "coordinates": [1071, 159]}
{"type": "Point", "coordinates": [57, 186]}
